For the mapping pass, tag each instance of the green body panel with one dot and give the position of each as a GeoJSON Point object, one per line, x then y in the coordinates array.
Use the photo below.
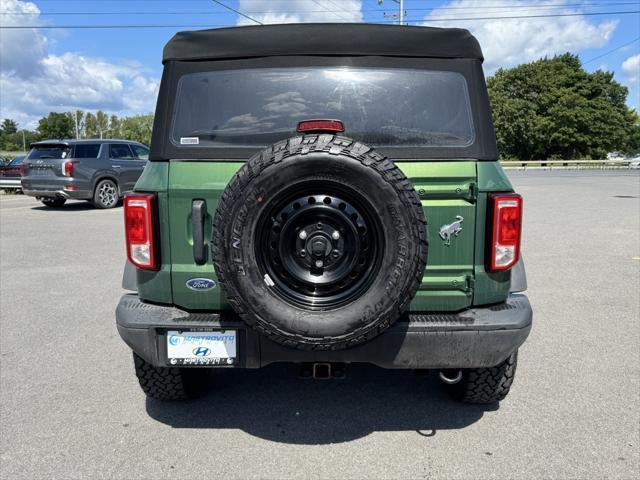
{"type": "Point", "coordinates": [447, 190]}
{"type": "Point", "coordinates": [455, 276]}
{"type": "Point", "coordinates": [489, 287]}
{"type": "Point", "coordinates": [156, 286]}
{"type": "Point", "coordinates": [190, 181]}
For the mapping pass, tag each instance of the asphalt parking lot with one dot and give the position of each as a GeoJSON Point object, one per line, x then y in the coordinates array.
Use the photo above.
{"type": "Point", "coordinates": [71, 406]}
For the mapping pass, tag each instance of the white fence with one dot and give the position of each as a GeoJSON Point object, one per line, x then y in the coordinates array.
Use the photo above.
{"type": "Point", "coordinates": [570, 164]}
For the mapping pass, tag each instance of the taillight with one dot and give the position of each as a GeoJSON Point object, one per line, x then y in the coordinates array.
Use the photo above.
{"type": "Point", "coordinates": [67, 168]}
{"type": "Point", "coordinates": [506, 227]}
{"type": "Point", "coordinates": [139, 213]}
{"type": "Point", "coordinates": [21, 169]}
{"type": "Point", "coordinates": [318, 126]}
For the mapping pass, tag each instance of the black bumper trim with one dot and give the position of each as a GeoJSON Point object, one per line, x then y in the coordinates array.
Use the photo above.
{"type": "Point", "coordinates": [477, 337]}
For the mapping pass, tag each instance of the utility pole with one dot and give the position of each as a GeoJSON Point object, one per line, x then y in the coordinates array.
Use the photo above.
{"type": "Point", "coordinates": [75, 117]}
{"type": "Point", "coordinates": [399, 15]}
{"type": "Point", "coordinates": [24, 144]}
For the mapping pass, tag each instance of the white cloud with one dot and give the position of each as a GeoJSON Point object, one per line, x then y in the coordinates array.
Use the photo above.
{"type": "Point", "coordinates": [631, 68]}
{"type": "Point", "coordinates": [34, 81]}
{"type": "Point", "coordinates": [506, 43]}
{"type": "Point", "coordinates": [30, 44]}
{"type": "Point", "coordinates": [287, 11]}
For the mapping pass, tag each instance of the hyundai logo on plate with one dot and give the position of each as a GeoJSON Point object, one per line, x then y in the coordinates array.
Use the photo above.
{"type": "Point", "coordinates": [201, 284]}
{"type": "Point", "coordinates": [201, 352]}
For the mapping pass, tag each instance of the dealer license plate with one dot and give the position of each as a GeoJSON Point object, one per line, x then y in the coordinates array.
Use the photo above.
{"type": "Point", "coordinates": [201, 348]}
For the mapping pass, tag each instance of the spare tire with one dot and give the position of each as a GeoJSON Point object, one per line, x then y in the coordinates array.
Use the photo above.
{"type": "Point", "coordinates": [319, 242]}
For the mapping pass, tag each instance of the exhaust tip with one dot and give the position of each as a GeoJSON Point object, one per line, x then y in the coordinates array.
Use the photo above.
{"type": "Point", "coordinates": [450, 377]}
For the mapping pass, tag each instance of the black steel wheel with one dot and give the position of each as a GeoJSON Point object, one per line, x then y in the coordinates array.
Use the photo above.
{"type": "Point", "coordinates": [320, 249]}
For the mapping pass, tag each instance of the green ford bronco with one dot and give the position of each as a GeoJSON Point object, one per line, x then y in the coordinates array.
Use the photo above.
{"type": "Point", "coordinates": [324, 194]}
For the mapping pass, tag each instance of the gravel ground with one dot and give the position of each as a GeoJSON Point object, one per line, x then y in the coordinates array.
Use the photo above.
{"type": "Point", "coordinates": [71, 407]}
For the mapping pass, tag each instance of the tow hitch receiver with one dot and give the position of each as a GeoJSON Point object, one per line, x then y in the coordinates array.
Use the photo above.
{"type": "Point", "coordinates": [323, 371]}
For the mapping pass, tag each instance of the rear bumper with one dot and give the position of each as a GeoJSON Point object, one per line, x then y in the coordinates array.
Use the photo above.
{"type": "Point", "coordinates": [478, 337]}
{"type": "Point", "coordinates": [55, 187]}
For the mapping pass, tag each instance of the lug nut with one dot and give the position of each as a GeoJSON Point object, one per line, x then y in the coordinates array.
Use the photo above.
{"type": "Point", "coordinates": [336, 253]}
{"type": "Point", "coordinates": [319, 226]}
{"type": "Point", "coordinates": [335, 235]}
{"type": "Point", "coordinates": [319, 263]}
{"type": "Point", "coordinates": [302, 235]}
{"type": "Point", "coordinates": [303, 253]}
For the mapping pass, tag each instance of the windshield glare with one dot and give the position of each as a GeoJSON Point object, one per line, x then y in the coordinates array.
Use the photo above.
{"type": "Point", "coordinates": [383, 107]}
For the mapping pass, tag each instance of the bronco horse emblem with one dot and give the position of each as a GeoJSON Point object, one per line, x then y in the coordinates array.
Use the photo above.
{"type": "Point", "coordinates": [446, 231]}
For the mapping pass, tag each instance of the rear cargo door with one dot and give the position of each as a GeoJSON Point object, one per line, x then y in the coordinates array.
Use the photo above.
{"type": "Point", "coordinates": [190, 182]}
{"type": "Point", "coordinates": [448, 191]}
{"type": "Point", "coordinates": [46, 160]}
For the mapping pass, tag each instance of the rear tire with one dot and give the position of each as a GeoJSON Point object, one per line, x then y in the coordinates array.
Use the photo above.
{"type": "Point", "coordinates": [169, 383]}
{"type": "Point", "coordinates": [485, 385]}
{"type": "Point", "coordinates": [106, 194]}
{"type": "Point", "coordinates": [56, 202]}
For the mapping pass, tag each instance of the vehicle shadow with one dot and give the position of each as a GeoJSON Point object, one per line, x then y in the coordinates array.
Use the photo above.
{"type": "Point", "coordinates": [70, 207]}
{"type": "Point", "coordinates": [276, 405]}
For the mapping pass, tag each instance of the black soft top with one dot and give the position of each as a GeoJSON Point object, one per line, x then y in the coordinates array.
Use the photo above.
{"type": "Point", "coordinates": [346, 39]}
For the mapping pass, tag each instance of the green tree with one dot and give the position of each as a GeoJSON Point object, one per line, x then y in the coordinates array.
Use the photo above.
{"type": "Point", "coordinates": [8, 126]}
{"type": "Point", "coordinates": [102, 123]}
{"type": "Point", "coordinates": [56, 125]}
{"type": "Point", "coordinates": [633, 145]}
{"type": "Point", "coordinates": [114, 127]}
{"type": "Point", "coordinates": [137, 128]}
{"type": "Point", "coordinates": [553, 108]}
{"type": "Point", "coordinates": [90, 126]}
{"type": "Point", "coordinates": [77, 120]}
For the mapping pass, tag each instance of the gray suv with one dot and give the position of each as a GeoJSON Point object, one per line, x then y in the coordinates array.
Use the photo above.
{"type": "Point", "coordinates": [100, 171]}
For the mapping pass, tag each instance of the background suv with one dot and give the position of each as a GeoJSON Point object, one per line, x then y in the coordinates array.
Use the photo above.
{"type": "Point", "coordinates": [10, 173]}
{"type": "Point", "coordinates": [96, 170]}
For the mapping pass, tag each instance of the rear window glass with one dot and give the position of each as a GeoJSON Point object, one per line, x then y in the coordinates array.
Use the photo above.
{"type": "Point", "coordinates": [87, 150]}
{"type": "Point", "coordinates": [384, 107]}
{"type": "Point", "coordinates": [49, 152]}
{"type": "Point", "coordinates": [120, 151]}
{"type": "Point", "coordinates": [141, 152]}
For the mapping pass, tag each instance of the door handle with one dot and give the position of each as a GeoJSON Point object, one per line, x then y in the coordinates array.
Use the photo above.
{"type": "Point", "coordinates": [198, 215]}
{"type": "Point", "coordinates": [116, 166]}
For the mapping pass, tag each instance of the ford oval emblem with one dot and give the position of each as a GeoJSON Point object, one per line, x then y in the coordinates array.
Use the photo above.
{"type": "Point", "coordinates": [201, 284]}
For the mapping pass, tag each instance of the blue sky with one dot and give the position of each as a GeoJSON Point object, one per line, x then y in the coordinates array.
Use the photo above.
{"type": "Point", "coordinates": [118, 70]}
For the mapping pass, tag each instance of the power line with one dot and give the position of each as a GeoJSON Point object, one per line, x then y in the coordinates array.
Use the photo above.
{"type": "Point", "coordinates": [611, 51]}
{"type": "Point", "coordinates": [337, 6]}
{"type": "Point", "coordinates": [526, 16]}
{"type": "Point", "coordinates": [208, 12]}
{"type": "Point", "coordinates": [323, 11]}
{"type": "Point", "coordinates": [205, 25]}
{"type": "Point", "coordinates": [238, 12]}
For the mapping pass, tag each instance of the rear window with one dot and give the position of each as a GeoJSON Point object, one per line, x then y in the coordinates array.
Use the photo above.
{"type": "Point", "coordinates": [49, 152]}
{"type": "Point", "coordinates": [140, 152]}
{"type": "Point", "coordinates": [383, 107]}
{"type": "Point", "coordinates": [87, 150]}
{"type": "Point", "coordinates": [120, 151]}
